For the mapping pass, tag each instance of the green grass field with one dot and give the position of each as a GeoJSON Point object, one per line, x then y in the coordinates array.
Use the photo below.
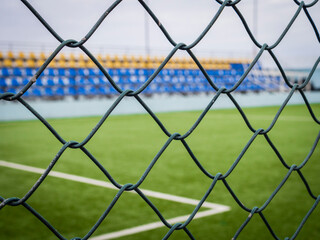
{"type": "Point", "coordinates": [125, 145]}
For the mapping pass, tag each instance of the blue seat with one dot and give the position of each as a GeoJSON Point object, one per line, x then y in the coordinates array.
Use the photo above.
{"type": "Point", "coordinates": [25, 81]}
{"type": "Point", "coordinates": [166, 79]}
{"type": "Point", "coordinates": [59, 91]}
{"type": "Point", "coordinates": [92, 91]}
{"type": "Point", "coordinates": [186, 72]}
{"type": "Point", "coordinates": [102, 80]}
{"type": "Point", "coordinates": [50, 82]}
{"type": "Point", "coordinates": [158, 79]}
{"type": "Point", "coordinates": [177, 72]}
{"type": "Point", "coordinates": [3, 82]}
{"type": "Point", "coordinates": [93, 81]}
{"type": "Point", "coordinates": [142, 78]}
{"type": "Point", "coordinates": [62, 81]}
{"type": "Point", "coordinates": [124, 72]}
{"type": "Point", "coordinates": [142, 72]}
{"type": "Point", "coordinates": [241, 88]}
{"type": "Point", "coordinates": [103, 90]}
{"type": "Point", "coordinates": [71, 91]}
{"type": "Point", "coordinates": [72, 82]}
{"type": "Point", "coordinates": [72, 72]}
{"type": "Point", "coordinates": [91, 72]}
{"type": "Point", "coordinates": [15, 82]}
{"type": "Point", "coordinates": [61, 72]}
{"type": "Point", "coordinates": [148, 90]}
{"type": "Point", "coordinates": [35, 92]}
{"type": "Point", "coordinates": [208, 87]}
{"type": "Point", "coordinates": [17, 72]}
{"type": "Point", "coordinates": [30, 72]}
{"type": "Point", "coordinates": [81, 81]}
{"type": "Point", "coordinates": [196, 72]}
{"type": "Point", "coordinates": [50, 72]}
{"type": "Point", "coordinates": [12, 90]}
{"type": "Point", "coordinates": [112, 90]}
{"type": "Point", "coordinates": [133, 71]}
{"type": "Point", "coordinates": [81, 91]}
{"type": "Point", "coordinates": [112, 71]}
{"type": "Point", "coordinates": [83, 72]}
{"type": "Point", "coordinates": [100, 74]}
{"type": "Point", "coordinates": [48, 92]}
{"type": "Point", "coordinates": [5, 72]}
{"type": "Point", "coordinates": [40, 82]}
{"type": "Point", "coordinates": [26, 94]}
{"type": "Point", "coordinates": [116, 79]}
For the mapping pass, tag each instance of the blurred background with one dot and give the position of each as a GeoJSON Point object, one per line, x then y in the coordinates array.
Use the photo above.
{"type": "Point", "coordinates": [131, 46]}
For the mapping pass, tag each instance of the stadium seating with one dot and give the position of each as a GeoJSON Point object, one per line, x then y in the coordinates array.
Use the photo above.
{"type": "Point", "coordinates": [70, 75]}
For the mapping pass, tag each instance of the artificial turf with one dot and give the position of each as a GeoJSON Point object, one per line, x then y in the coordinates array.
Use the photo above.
{"type": "Point", "coordinates": [125, 146]}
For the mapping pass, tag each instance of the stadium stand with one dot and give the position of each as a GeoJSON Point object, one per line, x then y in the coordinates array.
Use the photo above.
{"type": "Point", "coordinates": [70, 75]}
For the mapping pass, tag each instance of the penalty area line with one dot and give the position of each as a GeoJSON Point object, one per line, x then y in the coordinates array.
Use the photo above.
{"type": "Point", "coordinates": [213, 208]}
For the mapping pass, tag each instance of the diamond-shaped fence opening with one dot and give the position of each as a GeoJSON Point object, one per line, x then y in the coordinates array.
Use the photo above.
{"type": "Point", "coordinates": [207, 80]}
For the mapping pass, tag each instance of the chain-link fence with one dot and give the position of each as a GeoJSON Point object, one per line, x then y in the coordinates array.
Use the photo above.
{"type": "Point", "coordinates": [302, 8]}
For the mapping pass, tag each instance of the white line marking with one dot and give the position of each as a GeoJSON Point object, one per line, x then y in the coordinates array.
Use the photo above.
{"type": "Point", "coordinates": [213, 207]}
{"type": "Point", "coordinates": [154, 225]}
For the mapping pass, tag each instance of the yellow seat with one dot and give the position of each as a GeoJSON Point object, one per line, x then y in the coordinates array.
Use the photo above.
{"type": "Point", "coordinates": [183, 62]}
{"type": "Point", "coordinates": [108, 62]}
{"type": "Point", "coordinates": [31, 63]}
{"type": "Point", "coordinates": [226, 66]}
{"type": "Point", "coordinates": [191, 64]}
{"type": "Point", "coordinates": [32, 56]}
{"type": "Point", "coordinates": [1, 55]}
{"type": "Point", "coordinates": [160, 60]}
{"type": "Point", "coordinates": [10, 55]}
{"type": "Point", "coordinates": [40, 62]}
{"type": "Point", "coordinates": [116, 62]}
{"type": "Point", "coordinates": [91, 64]}
{"type": "Point", "coordinates": [7, 62]}
{"type": "Point", "coordinates": [125, 62]}
{"type": "Point", "coordinates": [81, 64]}
{"type": "Point", "coordinates": [21, 56]}
{"type": "Point", "coordinates": [19, 62]}
{"type": "Point", "coordinates": [81, 61]}
{"type": "Point", "coordinates": [155, 62]}
{"type": "Point", "coordinates": [72, 57]}
{"type": "Point", "coordinates": [71, 61]}
{"type": "Point", "coordinates": [101, 60]}
{"type": "Point", "coordinates": [178, 63]}
{"type": "Point", "coordinates": [53, 64]}
{"type": "Point", "coordinates": [62, 61]}
{"type": "Point", "coordinates": [42, 56]}
{"type": "Point", "coordinates": [133, 62]}
{"type": "Point", "coordinates": [141, 62]}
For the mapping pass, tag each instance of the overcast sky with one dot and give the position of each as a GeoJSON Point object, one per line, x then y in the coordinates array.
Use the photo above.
{"type": "Point", "coordinates": [123, 31]}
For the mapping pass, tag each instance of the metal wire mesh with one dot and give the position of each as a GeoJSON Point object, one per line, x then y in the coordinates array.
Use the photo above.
{"type": "Point", "coordinates": [302, 8]}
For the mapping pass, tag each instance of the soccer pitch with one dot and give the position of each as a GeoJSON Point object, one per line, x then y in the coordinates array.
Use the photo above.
{"type": "Point", "coordinates": [125, 146]}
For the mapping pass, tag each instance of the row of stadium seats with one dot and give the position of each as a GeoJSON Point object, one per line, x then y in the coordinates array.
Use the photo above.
{"type": "Point", "coordinates": [62, 60]}
{"type": "Point", "coordinates": [107, 89]}
{"type": "Point", "coordinates": [120, 72]}
{"type": "Point", "coordinates": [50, 87]}
{"type": "Point", "coordinates": [82, 81]}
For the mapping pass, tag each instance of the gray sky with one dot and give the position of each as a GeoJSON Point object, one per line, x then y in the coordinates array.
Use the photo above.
{"type": "Point", "coordinates": [123, 31]}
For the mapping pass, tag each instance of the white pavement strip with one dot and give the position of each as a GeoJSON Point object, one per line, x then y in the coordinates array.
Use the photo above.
{"type": "Point", "coordinates": [213, 207]}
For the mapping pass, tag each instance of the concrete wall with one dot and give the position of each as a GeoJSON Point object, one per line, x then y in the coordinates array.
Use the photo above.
{"type": "Point", "coordinates": [161, 103]}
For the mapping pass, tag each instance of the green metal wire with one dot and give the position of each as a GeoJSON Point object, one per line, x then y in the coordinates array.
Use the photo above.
{"type": "Point", "coordinates": [127, 93]}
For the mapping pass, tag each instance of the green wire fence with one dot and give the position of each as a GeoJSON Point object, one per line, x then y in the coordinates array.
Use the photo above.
{"type": "Point", "coordinates": [302, 8]}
